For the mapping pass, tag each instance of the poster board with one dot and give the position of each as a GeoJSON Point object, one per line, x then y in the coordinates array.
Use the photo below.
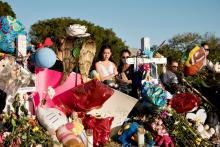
{"type": "Point", "coordinates": [118, 106]}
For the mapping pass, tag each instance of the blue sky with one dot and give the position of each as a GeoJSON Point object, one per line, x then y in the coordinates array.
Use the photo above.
{"type": "Point", "coordinates": [129, 19]}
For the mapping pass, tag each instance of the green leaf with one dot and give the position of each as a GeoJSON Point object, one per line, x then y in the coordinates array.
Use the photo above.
{"type": "Point", "coordinates": [76, 52]}
{"type": "Point", "coordinates": [6, 9]}
{"type": "Point", "coordinates": [24, 110]}
{"type": "Point", "coordinates": [24, 136]}
{"type": "Point", "coordinates": [204, 84]}
{"type": "Point", "coordinates": [13, 122]}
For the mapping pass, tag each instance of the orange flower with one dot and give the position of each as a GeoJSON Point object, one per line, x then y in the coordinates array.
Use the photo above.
{"type": "Point", "coordinates": [32, 122]}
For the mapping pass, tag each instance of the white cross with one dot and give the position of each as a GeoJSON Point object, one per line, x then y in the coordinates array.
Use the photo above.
{"type": "Point", "coordinates": [145, 45]}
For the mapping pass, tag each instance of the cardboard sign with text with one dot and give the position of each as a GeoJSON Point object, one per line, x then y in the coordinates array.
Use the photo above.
{"type": "Point", "coordinates": [118, 106]}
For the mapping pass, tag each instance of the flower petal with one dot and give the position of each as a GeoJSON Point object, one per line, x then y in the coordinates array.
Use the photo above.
{"type": "Point", "coordinates": [191, 116]}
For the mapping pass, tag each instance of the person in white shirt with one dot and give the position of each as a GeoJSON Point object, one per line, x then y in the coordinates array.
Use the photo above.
{"type": "Point", "coordinates": [106, 68]}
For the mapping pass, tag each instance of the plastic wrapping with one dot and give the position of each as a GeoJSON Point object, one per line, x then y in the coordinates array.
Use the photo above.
{"type": "Point", "coordinates": [13, 76]}
{"type": "Point", "coordinates": [154, 94]}
{"type": "Point", "coordinates": [46, 77]}
{"type": "Point", "coordinates": [84, 97]}
{"type": "Point", "coordinates": [101, 128]}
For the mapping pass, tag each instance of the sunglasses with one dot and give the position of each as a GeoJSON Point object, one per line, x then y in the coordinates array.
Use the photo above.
{"type": "Point", "coordinates": [207, 49]}
{"type": "Point", "coordinates": [175, 66]}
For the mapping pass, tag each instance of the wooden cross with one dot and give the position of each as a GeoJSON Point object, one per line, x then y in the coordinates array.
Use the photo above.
{"type": "Point", "coordinates": [141, 59]}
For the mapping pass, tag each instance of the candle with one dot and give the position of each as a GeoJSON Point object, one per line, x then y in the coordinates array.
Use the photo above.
{"type": "Point", "coordinates": [89, 134]}
{"type": "Point", "coordinates": [141, 132]}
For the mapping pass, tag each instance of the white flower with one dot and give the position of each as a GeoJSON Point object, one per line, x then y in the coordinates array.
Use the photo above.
{"type": "Point", "coordinates": [199, 117]}
{"type": "Point", "coordinates": [76, 29]}
{"type": "Point", "coordinates": [176, 122]}
{"type": "Point", "coordinates": [51, 92]}
{"type": "Point", "coordinates": [5, 134]}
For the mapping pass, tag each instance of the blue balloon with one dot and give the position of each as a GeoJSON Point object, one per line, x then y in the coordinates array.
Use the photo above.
{"type": "Point", "coordinates": [44, 57]}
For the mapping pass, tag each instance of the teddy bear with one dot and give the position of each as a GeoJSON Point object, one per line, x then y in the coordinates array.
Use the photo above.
{"type": "Point", "coordinates": [205, 131]}
{"type": "Point", "coordinates": [199, 118]}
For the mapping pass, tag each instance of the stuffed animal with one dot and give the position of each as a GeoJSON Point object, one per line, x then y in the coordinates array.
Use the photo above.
{"type": "Point", "coordinates": [51, 118]}
{"type": "Point", "coordinates": [127, 132]}
{"type": "Point", "coordinates": [199, 118]}
{"type": "Point", "coordinates": [76, 124]}
{"type": "Point", "coordinates": [205, 131]}
{"type": "Point", "coordinates": [68, 135]}
{"type": "Point", "coordinates": [163, 137]}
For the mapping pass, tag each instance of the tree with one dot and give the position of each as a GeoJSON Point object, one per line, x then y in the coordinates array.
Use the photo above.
{"type": "Point", "coordinates": [205, 81]}
{"type": "Point", "coordinates": [178, 44]}
{"type": "Point", "coordinates": [170, 53]}
{"type": "Point", "coordinates": [5, 9]}
{"type": "Point", "coordinates": [182, 41]}
{"type": "Point", "coordinates": [55, 28]}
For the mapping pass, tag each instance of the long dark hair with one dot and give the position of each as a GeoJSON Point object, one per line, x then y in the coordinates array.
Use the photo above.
{"type": "Point", "coordinates": [121, 62]}
{"type": "Point", "coordinates": [100, 56]}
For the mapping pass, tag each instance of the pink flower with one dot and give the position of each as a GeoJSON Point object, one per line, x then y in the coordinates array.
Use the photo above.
{"type": "Point", "coordinates": [2, 138]}
{"type": "Point", "coordinates": [18, 141]}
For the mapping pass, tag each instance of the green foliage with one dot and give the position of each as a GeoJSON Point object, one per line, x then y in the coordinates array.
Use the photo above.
{"type": "Point", "coordinates": [182, 41]}
{"type": "Point", "coordinates": [5, 9]}
{"type": "Point", "coordinates": [23, 130]}
{"type": "Point", "coordinates": [55, 28]}
{"type": "Point", "coordinates": [214, 45]}
{"type": "Point", "coordinates": [182, 132]}
{"type": "Point", "coordinates": [178, 44]}
{"type": "Point", "coordinates": [170, 53]}
{"type": "Point", "coordinates": [206, 82]}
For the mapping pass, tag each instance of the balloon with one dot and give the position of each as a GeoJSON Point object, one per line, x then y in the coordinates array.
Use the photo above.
{"type": "Point", "coordinates": [194, 60]}
{"type": "Point", "coordinates": [190, 71]}
{"type": "Point", "coordinates": [48, 42]}
{"type": "Point", "coordinates": [44, 58]}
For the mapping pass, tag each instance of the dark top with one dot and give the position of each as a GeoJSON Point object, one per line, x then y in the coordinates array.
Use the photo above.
{"type": "Point", "coordinates": [170, 81]}
{"type": "Point", "coordinates": [130, 89]}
